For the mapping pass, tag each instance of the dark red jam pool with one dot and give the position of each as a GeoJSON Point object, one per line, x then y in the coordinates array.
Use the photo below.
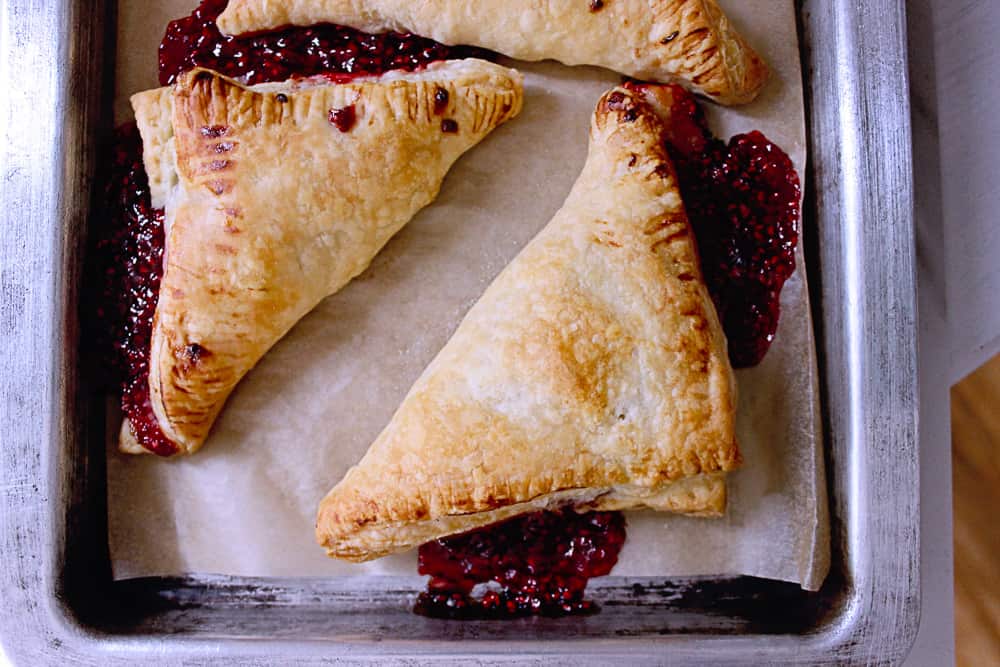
{"type": "Point", "coordinates": [129, 250]}
{"type": "Point", "coordinates": [537, 564]}
{"type": "Point", "coordinates": [195, 41]}
{"type": "Point", "coordinates": [743, 201]}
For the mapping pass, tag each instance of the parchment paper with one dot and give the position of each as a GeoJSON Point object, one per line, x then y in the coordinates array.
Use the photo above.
{"type": "Point", "coordinates": [245, 505]}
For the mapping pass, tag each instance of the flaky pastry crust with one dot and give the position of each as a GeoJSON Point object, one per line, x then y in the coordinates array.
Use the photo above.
{"type": "Point", "coordinates": [691, 42]}
{"type": "Point", "coordinates": [592, 373]}
{"type": "Point", "coordinates": [274, 202]}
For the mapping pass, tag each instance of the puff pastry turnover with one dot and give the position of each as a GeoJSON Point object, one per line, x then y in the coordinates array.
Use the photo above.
{"type": "Point", "coordinates": [688, 41]}
{"type": "Point", "coordinates": [592, 373]}
{"type": "Point", "coordinates": [278, 195]}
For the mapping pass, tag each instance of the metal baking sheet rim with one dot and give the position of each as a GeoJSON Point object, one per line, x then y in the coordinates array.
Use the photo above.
{"type": "Point", "coordinates": [58, 602]}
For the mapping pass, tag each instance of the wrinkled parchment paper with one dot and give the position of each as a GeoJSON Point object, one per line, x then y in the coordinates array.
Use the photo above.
{"type": "Point", "coordinates": [245, 505]}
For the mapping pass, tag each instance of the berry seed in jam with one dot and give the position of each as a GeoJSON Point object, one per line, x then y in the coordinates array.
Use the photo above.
{"type": "Point", "coordinates": [195, 41]}
{"type": "Point", "coordinates": [743, 203]}
{"type": "Point", "coordinates": [441, 98]}
{"type": "Point", "coordinates": [539, 564]}
{"type": "Point", "coordinates": [130, 253]}
{"type": "Point", "coordinates": [344, 119]}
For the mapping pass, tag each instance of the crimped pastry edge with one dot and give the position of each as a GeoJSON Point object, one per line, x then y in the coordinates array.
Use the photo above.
{"type": "Point", "coordinates": [700, 495]}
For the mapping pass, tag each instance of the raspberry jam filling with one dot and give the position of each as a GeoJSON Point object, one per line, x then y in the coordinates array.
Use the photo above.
{"type": "Point", "coordinates": [743, 202]}
{"type": "Point", "coordinates": [195, 41]}
{"type": "Point", "coordinates": [130, 252]}
{"type": "Point", "coordinates": [536, 564]}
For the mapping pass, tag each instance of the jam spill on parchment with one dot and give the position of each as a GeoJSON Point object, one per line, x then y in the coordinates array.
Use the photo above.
{"type": "Point", "coordinates": [195, 41]}
{"type": "Point", "coordinates": [129, 250]}
{"type": "Point", "coordinates": [535, 564]}
{"type": "Point", "coordinates": [743, 202]}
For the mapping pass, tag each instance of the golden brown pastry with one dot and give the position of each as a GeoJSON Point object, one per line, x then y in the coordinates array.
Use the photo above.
{"type": "Point", "coordinates": [592, 373]}
{"type": "Point", "coordinates": [278, 195]}
{"type": "Point", "coordinates": [688, 41]}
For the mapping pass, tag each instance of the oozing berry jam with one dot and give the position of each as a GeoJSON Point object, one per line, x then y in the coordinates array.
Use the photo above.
{"type": "Point", "coordinates": [130, 253]}
{"type": "Point", "coordinates": [539, 565]}
{"type": "Point", "coordinates": [743, 202]}
{"type": "Point", "coordinates": [195, 41]}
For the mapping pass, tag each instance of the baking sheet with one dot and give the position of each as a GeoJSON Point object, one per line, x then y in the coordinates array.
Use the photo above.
{"type": "Point", "coordinates": [245, 505]}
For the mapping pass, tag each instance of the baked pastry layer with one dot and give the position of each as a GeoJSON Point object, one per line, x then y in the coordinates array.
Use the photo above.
{"type": "Point", "coordinates": [593, 372]}
{"type": "Point", "coordinates": [276, 196]}
{"type": "Point", "coordinates": [688, 41]}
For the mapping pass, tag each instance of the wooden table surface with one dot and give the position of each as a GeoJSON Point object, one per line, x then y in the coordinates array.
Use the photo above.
{"type": "Point", "coordinates": [975, 409]}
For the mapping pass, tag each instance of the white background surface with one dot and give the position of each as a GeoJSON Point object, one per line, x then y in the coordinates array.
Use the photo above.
{"type": "Point", "coordinates": [967, 82]}
{"type": "Point", "coordinates": [955, 79]}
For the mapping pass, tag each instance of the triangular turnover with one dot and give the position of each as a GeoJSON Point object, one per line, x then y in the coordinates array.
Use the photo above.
{"type": "Point", "coordinates": [689, 41]}
{"type": "Point", "coordinates": [276, 196]}
{"type": "Point", "coordinates": [593, 373]}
